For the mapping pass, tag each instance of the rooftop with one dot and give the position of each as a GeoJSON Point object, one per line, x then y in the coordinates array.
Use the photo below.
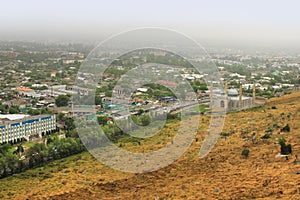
{"type": "Point", "coordinates": [233, 92]}
{"type": "Point", "coordinates": [13, 117]}
{"type": "Point", "coordinates": [24, 89]}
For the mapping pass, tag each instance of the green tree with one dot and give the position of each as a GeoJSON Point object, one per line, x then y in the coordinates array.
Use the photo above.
{"type": "Point", "coordinates": [3, 108]}
{"type": "Point", "coordinates": [69, 123]}
{"type": "Point", "coordinates": [4, 149]}
{"type": "Point", "coordinates": [98, 100]}
{"type": "Point", "coordinates": [145, 120]}
{"type": "Point", "coordinates": [14, 110]}
{"type": "Point", "coordinates": [102, 120]}
{"type": "Point", "coordinates": [33, 112]}
{"type": "Point", "coordinates": [62, 100]}
{"type": "Point", "coordinates": [61, 117]}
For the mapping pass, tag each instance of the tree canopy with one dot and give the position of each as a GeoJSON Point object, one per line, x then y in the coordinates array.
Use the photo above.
{"type": "Point", "coordinates": [62, 100]}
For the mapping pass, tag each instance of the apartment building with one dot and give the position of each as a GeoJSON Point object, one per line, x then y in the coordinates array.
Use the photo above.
{"type": "Point", "coordinates": [14, 128]}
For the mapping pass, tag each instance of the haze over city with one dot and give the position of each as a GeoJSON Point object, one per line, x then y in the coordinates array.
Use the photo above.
{"type": "Point", "coordinates": [237, 23]}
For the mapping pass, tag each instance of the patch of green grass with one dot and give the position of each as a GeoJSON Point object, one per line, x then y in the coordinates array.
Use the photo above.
{"type": "Point", "coordinates": [201, 108]}
{"type": "Point", "coordinates": [28, 144]}
{"type": "Point", "coordinates": [254, 109]}
{"type": "Point", "coordinates": [11, 150]}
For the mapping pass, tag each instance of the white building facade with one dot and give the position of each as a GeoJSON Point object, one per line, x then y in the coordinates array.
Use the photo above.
{"type": "Point", "coordinates": [14, 131]}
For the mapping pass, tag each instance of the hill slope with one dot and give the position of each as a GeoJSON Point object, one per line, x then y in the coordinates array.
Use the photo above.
{"type": "Point", "coordinates": [223, 174]}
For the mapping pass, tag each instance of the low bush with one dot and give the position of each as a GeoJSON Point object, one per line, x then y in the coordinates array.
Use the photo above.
{"type": "Point", "coordinates": [245, 153]}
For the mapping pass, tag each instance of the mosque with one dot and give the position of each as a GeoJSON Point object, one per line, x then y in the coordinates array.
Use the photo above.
{"type": "Point", "coordinates": [233, 99]}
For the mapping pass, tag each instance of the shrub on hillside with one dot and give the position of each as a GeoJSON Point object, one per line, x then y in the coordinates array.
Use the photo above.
{"type": "Point", "coordinates": [284, 148]}
{"type": "Point", "coordinates": [286, 128]}
{"type": "Point", "coordinates": [266, 136]}
{"type": "Point", "coordinates": [245, 153]}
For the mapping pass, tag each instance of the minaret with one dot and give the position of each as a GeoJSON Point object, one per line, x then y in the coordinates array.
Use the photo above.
{"type": "Point", "coordinates": [226, 88]}
{"type": "Point", "coordinates": [241, 94]}
{"type": "Point", "coordinates": [226, 96]}
{"type": "Point", "coordinates": [253, 92]}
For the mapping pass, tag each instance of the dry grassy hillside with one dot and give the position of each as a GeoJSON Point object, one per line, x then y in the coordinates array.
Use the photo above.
{"type": "Point", "coordinates": [223, 174]}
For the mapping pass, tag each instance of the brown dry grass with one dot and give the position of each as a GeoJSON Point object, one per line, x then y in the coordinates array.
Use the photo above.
{"type": "Point", "coordinates": [223, 174]}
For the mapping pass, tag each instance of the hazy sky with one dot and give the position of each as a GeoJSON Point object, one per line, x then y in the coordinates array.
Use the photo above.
{"type": "Point", "coordinates": [237, 21]}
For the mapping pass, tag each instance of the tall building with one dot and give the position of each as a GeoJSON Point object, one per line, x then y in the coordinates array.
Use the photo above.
{"type": "Point", "coordinates": [14, 128]}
